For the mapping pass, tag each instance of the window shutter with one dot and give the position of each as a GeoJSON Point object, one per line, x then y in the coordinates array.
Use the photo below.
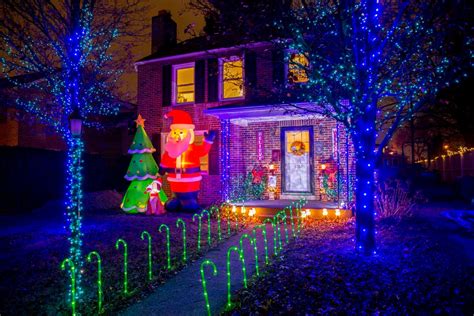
{"type": "Point", "coordinates": [166, 85]}
{"type": "Point", "coordinates": [278, 61]}
{"type": "Point", "coordinates": [250, 74]}
{"type": "Point", "coordinates": [199, 81]}
{"type": "Point", "coordinates": [212, 80]}
{"type": "Point", "coordinates": [214, 157]}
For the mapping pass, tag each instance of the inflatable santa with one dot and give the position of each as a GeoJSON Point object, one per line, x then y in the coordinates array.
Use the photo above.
{"type": "Point", "coordinates": [181, 163]}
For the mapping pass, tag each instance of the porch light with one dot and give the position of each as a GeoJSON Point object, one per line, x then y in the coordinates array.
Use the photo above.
{"type": "Point", "coordinates": [75, 123]}
{"type": "Point", "coordinates": [325, 212]}
{"type": "Point", "coordinates": [338, 212]}
{"type": "Point", "coordinates": [252, 212]}
{"type": "Point", "coordinates": [323, 166]}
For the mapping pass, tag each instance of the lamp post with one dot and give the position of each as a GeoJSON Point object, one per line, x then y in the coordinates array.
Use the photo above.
{"type": "Point", "coordinates": [75, 149]}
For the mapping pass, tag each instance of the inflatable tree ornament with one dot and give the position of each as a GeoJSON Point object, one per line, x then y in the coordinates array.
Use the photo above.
{"type": "Point", "coordinates": [141, 171]}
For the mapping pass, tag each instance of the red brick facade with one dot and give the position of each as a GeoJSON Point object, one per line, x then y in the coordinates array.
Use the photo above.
{"type": "Point", "coordinates": [243, 154]}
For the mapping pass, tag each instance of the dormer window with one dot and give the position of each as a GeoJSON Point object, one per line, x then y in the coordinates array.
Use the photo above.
{"type": "Point", "coordinates": [298, 65]}
{"type": "Point", "coordinates": [231, 74]}
{"type": "Point", "coordinates": [183, 83]}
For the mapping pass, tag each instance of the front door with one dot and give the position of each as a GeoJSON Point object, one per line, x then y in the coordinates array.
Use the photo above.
{"type": "Point", "coordinates": [297, 159]}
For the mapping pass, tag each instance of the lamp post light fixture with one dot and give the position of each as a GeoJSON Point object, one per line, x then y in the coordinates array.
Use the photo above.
{"type": "Point", "coordinates": [75, 123]}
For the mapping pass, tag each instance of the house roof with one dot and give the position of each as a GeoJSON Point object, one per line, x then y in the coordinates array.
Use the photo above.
{"type": "Point", "coordinates": [202, 44]}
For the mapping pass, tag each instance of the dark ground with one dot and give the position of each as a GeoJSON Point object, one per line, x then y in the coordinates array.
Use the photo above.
{"type": "Point", "coordinates": [33, 246]}
{"type": "Point", "coordinates": [424, 266]}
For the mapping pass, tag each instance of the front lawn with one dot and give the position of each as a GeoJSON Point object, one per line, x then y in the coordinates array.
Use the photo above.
{"type": "Point", "coordinates": [417, 270]}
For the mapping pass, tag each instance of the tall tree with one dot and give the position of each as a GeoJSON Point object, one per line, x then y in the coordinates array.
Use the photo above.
{"type": "Point", "coordinates": [68, 44]}
{"type": "Point", "coordinates": [372, 65]}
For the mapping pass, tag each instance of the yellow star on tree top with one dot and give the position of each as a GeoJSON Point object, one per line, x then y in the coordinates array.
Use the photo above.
{"type": "Point", "coordinates": [140, 121]}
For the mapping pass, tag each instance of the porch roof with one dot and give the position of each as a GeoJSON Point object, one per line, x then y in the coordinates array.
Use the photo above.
{"type": "Point", "coordinates": [244, 114]}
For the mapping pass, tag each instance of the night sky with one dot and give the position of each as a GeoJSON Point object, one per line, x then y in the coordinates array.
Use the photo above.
{"type": "Point", "coordinates": [182, 18]}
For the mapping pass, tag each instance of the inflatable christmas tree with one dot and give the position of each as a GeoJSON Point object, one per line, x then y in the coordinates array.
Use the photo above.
{"type": "Point", "coordinates": [141, 171]}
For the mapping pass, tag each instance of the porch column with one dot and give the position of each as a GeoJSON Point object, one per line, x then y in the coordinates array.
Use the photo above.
{"type": "Point", "coordinates": [225, 159]}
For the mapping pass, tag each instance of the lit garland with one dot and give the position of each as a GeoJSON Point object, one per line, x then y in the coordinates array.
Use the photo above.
{"type": "Point", "coordinates": [363, 54]}
{"type": "Point", "coordinates": [225, 159]}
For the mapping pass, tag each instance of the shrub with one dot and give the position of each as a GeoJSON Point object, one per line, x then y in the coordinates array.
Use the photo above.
{"type": "Point", "coordinates": [394, 200]}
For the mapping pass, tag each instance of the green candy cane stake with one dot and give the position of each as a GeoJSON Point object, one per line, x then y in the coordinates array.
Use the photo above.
{"type": "Point", "coordinates": [253, 242]}
{"type": "Point", "coordinates": [100, 293]}
{"type": "Point", "coordinates": [209, 227]}
{"type": "Point", "coordinates": [292, 222]}
{"type": "Point", "coordinates": [276, 219]}
{"type": "Point", "coordinates": [150, 261]}
{"type": "Point", "coordinates": [168, 251]}
{"type": "Point", "coordinates": [275, 245]}
{"type": "Point", "coordinates": [263, 227]}
{"type": "Point", "coordinates": [125, 263]}
{"type": "Point", "coordinates": [244, 272]}
{"type": "Point", "coordinates": [283, 218]}
{"type": "Point", "coordinates": [204, 284]}
{"type": "Point", "coordinates": [199, 217]}
{"type": "Point", "coordinates": [183, 224]}
{"type": "Point", "coordinates": [215, 209]}
{"type": "Point", "coordinates": [72, 277]}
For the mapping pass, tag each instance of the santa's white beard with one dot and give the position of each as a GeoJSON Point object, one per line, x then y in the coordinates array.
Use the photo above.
{"type": "Point", "coordinates": [174, 148]}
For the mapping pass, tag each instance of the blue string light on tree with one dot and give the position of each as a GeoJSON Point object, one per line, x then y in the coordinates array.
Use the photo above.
{"type": "Point", "coordinates": [371, 67]}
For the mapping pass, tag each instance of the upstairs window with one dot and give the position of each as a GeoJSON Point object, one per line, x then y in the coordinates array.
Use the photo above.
{"type": "Point", "coordinates": [231, 78]}
{"type": "Point", "coordinates": [298, 65]}
{"type": "Point", "coordinates": [183, 83]}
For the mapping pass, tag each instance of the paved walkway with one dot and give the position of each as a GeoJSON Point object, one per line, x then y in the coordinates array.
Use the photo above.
{"type": "Point", "coordinates": [183, 295]}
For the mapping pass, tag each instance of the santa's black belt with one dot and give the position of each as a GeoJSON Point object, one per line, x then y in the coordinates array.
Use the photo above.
{"type": "Point", "coordinates": [182, 170]}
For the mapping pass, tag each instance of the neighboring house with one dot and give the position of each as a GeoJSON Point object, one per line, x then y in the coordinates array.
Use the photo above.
{"type": "Point", "coordinates": [231, 89]}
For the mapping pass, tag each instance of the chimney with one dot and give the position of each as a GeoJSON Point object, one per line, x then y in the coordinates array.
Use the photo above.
{"type": "Point", "coordinates": [163, 31]}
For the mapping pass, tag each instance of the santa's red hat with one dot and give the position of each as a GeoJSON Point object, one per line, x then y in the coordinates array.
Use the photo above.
{"type": "Point", "coordinates": [181, 119]}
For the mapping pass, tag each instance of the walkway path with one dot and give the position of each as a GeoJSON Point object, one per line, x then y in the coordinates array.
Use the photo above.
{"type": "Point", "coordinates": [183, 295]}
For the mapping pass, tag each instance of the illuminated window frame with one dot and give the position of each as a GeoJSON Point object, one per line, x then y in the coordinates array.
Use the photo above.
{"type": "Point", "coordinates": [221, 76]}
{"type": "Point", "coordinates": [287, 67]}
{"type": "Point", "coordinates": [196, 133]}
{"type": "Point", "coordinates": [174, 90]}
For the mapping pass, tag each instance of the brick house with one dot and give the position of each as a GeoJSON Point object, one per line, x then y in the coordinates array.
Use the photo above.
{"type": "Point", "coordinates": [230, 88]}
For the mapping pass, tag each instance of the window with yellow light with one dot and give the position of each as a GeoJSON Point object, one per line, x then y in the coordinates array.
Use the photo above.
{"type": "Point", "coordinates": [297, 68]}
{"type": "Point", "coordinates": [232, 77]}
{"type": "Point", "coordinates": [184, 79]}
